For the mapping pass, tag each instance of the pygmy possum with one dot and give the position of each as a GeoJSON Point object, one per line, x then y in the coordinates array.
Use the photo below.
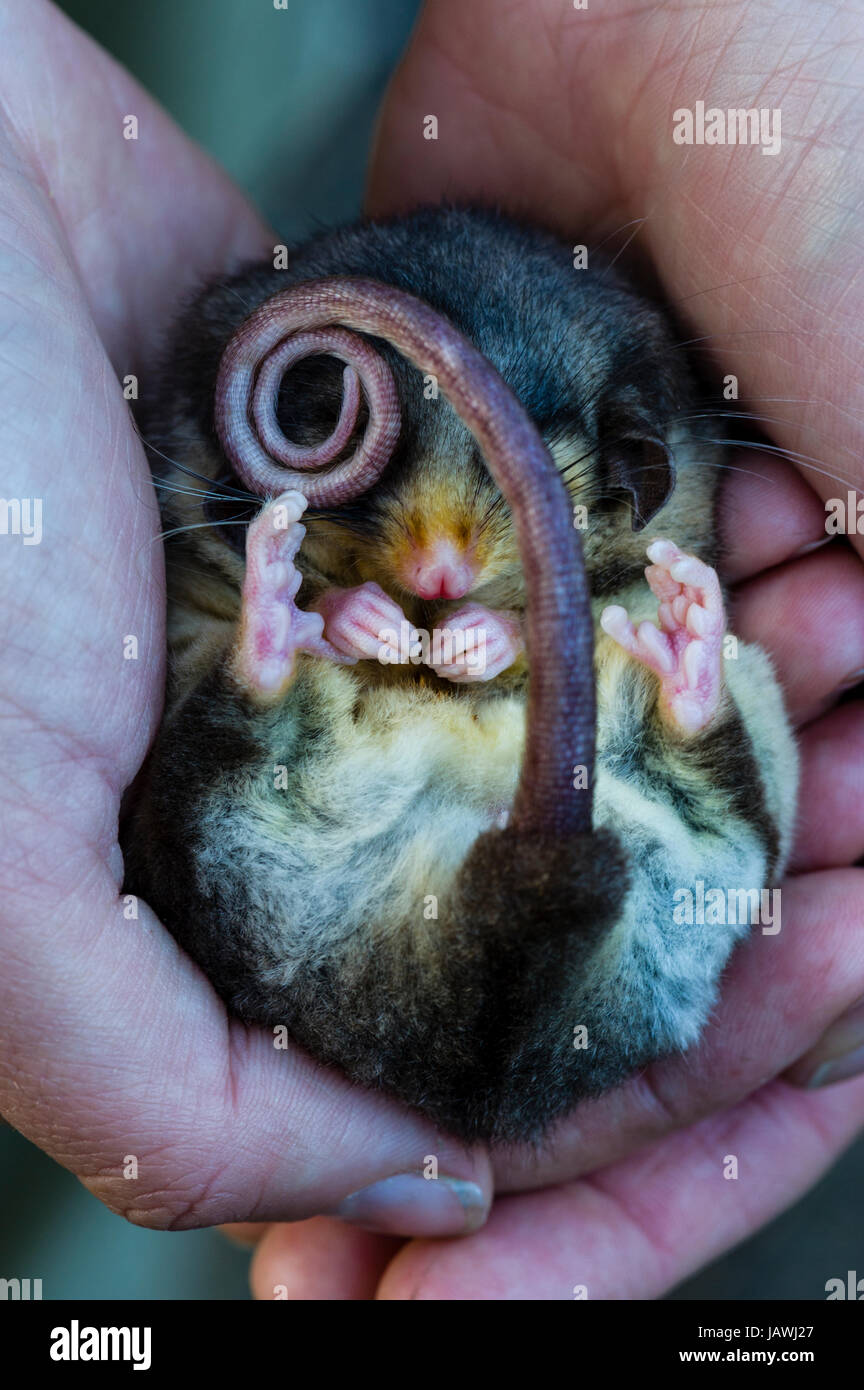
{"type": "Point", "coordinates": [437, 764]}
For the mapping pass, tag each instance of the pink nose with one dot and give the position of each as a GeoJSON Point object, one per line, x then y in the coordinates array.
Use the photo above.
{"type": "Point", "coordinates": [440, 570]}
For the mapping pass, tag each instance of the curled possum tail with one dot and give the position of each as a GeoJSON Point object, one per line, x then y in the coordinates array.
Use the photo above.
{"type": "Point", "coordinates": [478, 1029]}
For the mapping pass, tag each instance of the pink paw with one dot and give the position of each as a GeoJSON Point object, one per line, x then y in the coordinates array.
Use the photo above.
{"type": "Point", "coordinates": [474, 644]}
{"type": "Point", "coordinates": [272, 628]}
{"type": "Point", "coordinates": [686, 649]}
{"type": "Point", "coordinates": [361, 622]}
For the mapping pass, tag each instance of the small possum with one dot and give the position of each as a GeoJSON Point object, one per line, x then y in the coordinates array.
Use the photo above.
{"type": "Point", "coordinates": [457, 879]}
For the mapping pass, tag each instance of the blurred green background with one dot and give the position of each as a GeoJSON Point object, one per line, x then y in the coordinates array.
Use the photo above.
{"type": "Point", "coordinates": [286, 101]}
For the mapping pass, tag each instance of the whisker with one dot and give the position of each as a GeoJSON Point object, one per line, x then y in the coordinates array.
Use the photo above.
{"type": "Point", "coordinates": [189, 491]}
{"type": "Point", "coordinates": [237, 295]}
{"type": "Point", "coordinates": [640, 222]}
{"type": "Point", "coordinates": [227, 488]}
{"type": "Point", "coordinates": [740, 333]}
{"type": "Point", "coordinates": [726, 285]}
{"type": "Point", "coordinates": [198, 526]}
{"type": "Point", "coordinates": [806, 460]}
{"type": "Point", "coordinates": [778, 420]}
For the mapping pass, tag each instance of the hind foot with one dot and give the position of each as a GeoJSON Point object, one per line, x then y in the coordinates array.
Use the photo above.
{"type": "Point", "coordinates": [273, 630]}
{"type": "Point", "coordinates": [686, 651]}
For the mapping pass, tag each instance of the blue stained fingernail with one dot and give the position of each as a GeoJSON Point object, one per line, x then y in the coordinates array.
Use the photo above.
{"type": "Point", "coordinates": [409, 1205]}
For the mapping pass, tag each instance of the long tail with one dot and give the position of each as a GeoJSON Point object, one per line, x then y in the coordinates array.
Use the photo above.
{"type": "Point", "coordinates": [479, 1036]}
{"type": "Point", "coordinates": [326, 316]}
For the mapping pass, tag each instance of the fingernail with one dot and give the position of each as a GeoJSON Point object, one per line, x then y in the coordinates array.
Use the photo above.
{"type": "Point", "coordinates": [838, 1055]}
{"type": "Point", "coordinates": [850, 681]}
{"type": "Point", "coordinates": [407, 1205]}
{"type": "Point", "coordinates": [813, 545]}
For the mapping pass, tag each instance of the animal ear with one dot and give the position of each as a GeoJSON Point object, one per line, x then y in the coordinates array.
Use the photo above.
{"type": "Point", "coordinates": [641, 466]}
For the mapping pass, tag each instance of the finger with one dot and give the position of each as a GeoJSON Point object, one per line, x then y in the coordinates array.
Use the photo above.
{"type": "Point", "coordinates": [495, 113]}
{"type": "Point", "coordinates": [320, 1260]}
{"type": "Point", "coordinates": [808, 615]}
{"type": "Point", "coordinates": [759, 297]}
{"type": "Point", "coordinates": [175, 1116]}
{"type": "Point", "coordinates": [780, 995]}
{"type": "Point", "coordinates": [116, 1056]}
{"type": "Point", "coordinates": [146, 218]}
{"type": "Point", "coordinates": [767, 515]}
{"type": "Point", "coordinates": [637, 1229]}
{"type": "Point", "coordinates": [830, 825]}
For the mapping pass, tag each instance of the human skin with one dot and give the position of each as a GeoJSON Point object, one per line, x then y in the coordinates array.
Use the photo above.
{"type": "Point", "coordinates": [111, 1042]}
{"type": "Point", "coordinates": [761, 255]}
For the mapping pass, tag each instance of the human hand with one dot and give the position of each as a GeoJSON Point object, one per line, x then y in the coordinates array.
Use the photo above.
{"type": "Point", "coordinates": [116, 1056]}
{"type": "Point", "coordinates": [566, 116]}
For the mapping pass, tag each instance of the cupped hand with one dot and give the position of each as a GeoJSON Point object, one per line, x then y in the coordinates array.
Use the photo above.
{"type": "Point", "coordinates": [116, 1057]}
{"type": "Point", "coordinates": [113, 1046]}
{"type": "Point", "coordinates": [566, 116]}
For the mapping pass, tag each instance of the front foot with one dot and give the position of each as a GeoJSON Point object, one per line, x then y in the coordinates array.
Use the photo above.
{"type": "Point", "coordinates": [363, 622]}
{"type": "Point", "coordinates": [686, 651]}
{"type": "Point", "coordinates": [272, 628]}
{"type": "Point", "coordinates": [475, 644]}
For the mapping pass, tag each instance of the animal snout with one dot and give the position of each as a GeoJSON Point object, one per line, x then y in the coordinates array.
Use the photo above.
{"type": "Point", "coordinates": [439, 570]}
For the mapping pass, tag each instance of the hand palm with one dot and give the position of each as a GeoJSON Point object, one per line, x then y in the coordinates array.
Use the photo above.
{"type": "Point", "coordinates": [104, 1014]}
{"type": "Point", "coordinates": [102, 1011]}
